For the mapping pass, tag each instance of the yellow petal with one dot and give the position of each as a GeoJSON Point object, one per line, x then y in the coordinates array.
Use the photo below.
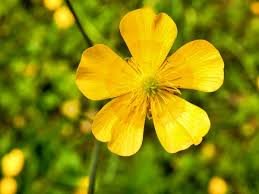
{"type": "Point", "coordinates": [178, 123]}
{"type": "Point", "coordinates": [121, 123]}
{"type": "Point", "coordinates": [197, 65]}
{"type": "Point", "coordinates": [103, 74]}
{"type": "Point", "coordinates": [148, 36]}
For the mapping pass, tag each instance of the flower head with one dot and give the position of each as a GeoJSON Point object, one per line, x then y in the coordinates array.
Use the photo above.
{"type": "Point", "coordinates": [149, 82]}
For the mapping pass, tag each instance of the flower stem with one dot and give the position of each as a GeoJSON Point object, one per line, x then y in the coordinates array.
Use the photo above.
{"type": "Point", "coordinates": [80, 27]}
{"type": "Point", "coordinates": [96, 151]}
{"type": "Point", "coordinates": [93, 167]}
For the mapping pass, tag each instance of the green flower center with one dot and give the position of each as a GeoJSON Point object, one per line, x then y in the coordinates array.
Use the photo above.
{"type": "Point", "coordinates": [150, 86]}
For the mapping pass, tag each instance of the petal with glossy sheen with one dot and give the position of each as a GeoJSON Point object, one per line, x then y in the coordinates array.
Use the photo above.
{"type": "Point", "coordinates": [197, 65]}
{"type": "Point", "coordinates": [103, 74]}
{"type": "Point", "coordinates": [148, 36]}
{"type": "Point", "coordinates": [121, 123]}
{"type": "Point", "coordinates": [178, 123]}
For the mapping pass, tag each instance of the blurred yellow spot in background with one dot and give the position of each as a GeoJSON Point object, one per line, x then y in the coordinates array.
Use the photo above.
{"type": "Point", "coordinates": [52, 4]}
{"type": "Point", "coordinates": [19, 121]}
{"type": "Point", "coordinates": [90, 114]}
{"type": "Point", "coordinates": [208, 151]}
{"type": "Point", "coordinates": [217, 185]}
{"type": "Point", "coordinates": [67, 130]}
{"type": "Point", "coordinates": [85, 126]}
{"type": "Point", "coordinates": [254, 7]}
{"type": "Point", "coordinates": [63, 18]}
{"type": "Point", "coordinates": [71, 108]}
{"type": "Point", "coordinates": [248, 128]}
{"type": "Point", "coordinates": [82, 185]}
{"type": "Point", "coordinates": [12, 163]}
{"type": "Point", "coordinates": [30, 70]}
{"type": "Point", "coordinates": [8, 186]}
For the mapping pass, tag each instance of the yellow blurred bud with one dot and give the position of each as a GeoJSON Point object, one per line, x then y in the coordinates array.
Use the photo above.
{"type": "Point", "coordinates": [83, 182]}
{"type": "Point", "coordinates": [85, 126]}
{"type": "Point", "coordinates": [249, 127]}
{"type": "Point", "coordinates": [19, 121]}
{"type": "Point", "coordinates": [217, 185]}
{"type": "Point", "coordinates": [208, 151]}
{"type": "Point", "coordinates": [8, 185]}
{"type": "Point", "coordinates": [82, 186]}
{"type": "Point", "coordinates": [52, 4]}
{"type": "Point", "coordinates": [254, 7]}
{"type": "Point", "coordinates": [12, 163]}
{"type": "Point", "coordinates": [71, 108]}
{"type": "Point", "coordinates": [30, 70]}
{"type": "Point", "coordinates": [63, 18]}
{"type": "Point", "coordinates": [247, 130]}
{"type": "Point", "coordinates": [90, 114]}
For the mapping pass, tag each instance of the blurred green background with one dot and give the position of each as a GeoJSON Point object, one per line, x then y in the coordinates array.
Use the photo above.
{"type": "Point", "coordinates": [45, 138]}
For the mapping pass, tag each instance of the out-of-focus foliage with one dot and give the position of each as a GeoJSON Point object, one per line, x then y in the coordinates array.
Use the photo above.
{"type": "Point", "coordinates": [43, 114]}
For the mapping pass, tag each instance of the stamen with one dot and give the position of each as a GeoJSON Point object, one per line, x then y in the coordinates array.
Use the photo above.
{"type": "Point", "coordinates": [150, 86]}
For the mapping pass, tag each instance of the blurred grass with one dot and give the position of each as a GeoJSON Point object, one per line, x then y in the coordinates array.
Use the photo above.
{"type": "Point", "coordinates": [43, 113]}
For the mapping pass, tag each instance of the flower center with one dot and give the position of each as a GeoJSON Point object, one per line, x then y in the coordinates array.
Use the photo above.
{"type": "Point", "coordinates": [150, 86]}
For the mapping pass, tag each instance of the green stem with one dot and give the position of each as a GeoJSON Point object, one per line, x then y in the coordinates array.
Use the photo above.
{"type": "Point", "coordinates": [96, 151]}
{"type": "Point", "coordinates": [80, 27]}
{"type": "Point", "coordinates": [93, 167]}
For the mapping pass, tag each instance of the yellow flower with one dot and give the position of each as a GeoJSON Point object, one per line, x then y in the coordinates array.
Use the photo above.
{"type": "Point", "coordinates": [254, 7]}
{"type": "Point", "coordinates": [217, 185]}
{"type": "Point", "coordinates": [63, 18]}
{"type": "Point", "coordinates": [12, 163]}
{"type": "Point", "coordinates": [82, 185]}
{"type": "Point", "coordinates": [52, 4]}
{"type": "Point", "coordinates": [71, 108]}
{"type": "Point", "coordinates": [149, 83]}
{"type": "Point", "coordinates": [8, 185]}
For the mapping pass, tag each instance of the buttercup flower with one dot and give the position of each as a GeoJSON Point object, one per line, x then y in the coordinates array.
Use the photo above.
{"type": "Point", "coordinates": [149, 83]}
